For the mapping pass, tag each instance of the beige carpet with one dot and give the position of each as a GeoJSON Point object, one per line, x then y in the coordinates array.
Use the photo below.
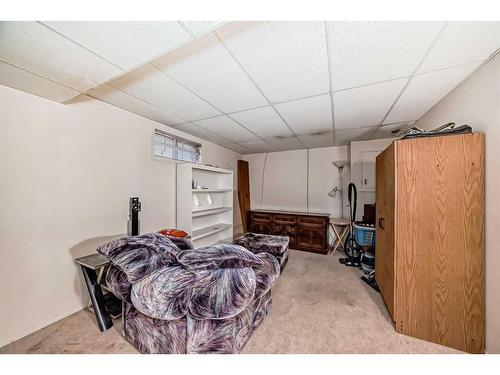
{"type": "Point", "coordinates": [319, 306]}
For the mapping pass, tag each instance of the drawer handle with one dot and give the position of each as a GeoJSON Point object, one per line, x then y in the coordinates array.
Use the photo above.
{"type": "Point", "coordinates": [381, 222]}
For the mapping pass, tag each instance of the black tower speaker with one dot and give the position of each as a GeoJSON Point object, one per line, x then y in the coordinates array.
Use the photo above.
{"type": "Point", "coordinates": [133, 217]}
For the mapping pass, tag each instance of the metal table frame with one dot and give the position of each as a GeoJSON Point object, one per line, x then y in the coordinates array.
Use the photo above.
{"type": "Point", "coordinates": [94, 269]}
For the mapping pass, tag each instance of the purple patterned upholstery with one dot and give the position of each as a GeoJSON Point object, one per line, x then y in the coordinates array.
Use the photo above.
{"type": "Point", "coordinates": [266, 243]}
{"type": "Point", "coordinates": [138, 256]}
{"type": "Point", "coordinates": [217, 256]}
{"type": "Point", "coordinates": [208, 300]}
{"type": "Point", "coordinates": [164, 294]}
{"type": "Point", "coordinates": [118, 283]}
{"type": "Point", "coordinates": [183, 243]}
{"type": "Point", "coordinates": [263, 243]}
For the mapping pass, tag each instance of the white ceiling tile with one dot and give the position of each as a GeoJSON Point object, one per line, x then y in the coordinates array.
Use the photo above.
{"type": "Point", "coordinates": [462, 43]}
{"type": "Point", "coordinates": [37, 49]}
{"type": "Point", "coordinates": [257, 146]}
{"type": "Point", "coordinates": [323, 139]}
{"type": "Point", "coordinates": [202, 133]}
{"type": "Point", "coordinates": [288, 60]}
{"type": "Point", "coordinates": [310, 115]}
{"type": "Point", "coordinates": [227, 128]}
{"type": "Point", "coordinates": [201, 27]}
{"type": "Point", "coordinates": [367, 52]}
{"type": "Point", "coordinates": [386, 131]}
{"type": "Point", "coordinates": [365, 106]}
{"type": "Point", "coordinates": [264, 122]}
{"type": "Point", "coordinates": [236, 147]}
{"type": "Point", "coordinates": [206, 67]}
{"type": "Point", "coordinates": [286, 143]}
{"type": "Point", "coordinates": [129, 103]}
{"type": "Point", "coordinates": [154, 87]}
{"type": "Point", "coordinates": [425, 90]}
{"type": "Point", "coordinates": [344, 137]}
{"type": "Point", "coordinates": [22, 80]}
{"type": "Point", "coordinates": [127, 44]}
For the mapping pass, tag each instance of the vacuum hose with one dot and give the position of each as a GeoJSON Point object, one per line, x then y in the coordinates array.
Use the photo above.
{"type": "Point", "coordinates": [352, 206]}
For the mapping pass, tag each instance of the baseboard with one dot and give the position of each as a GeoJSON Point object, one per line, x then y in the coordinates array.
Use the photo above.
{"type": "Point", "coordinates": [44, 324]}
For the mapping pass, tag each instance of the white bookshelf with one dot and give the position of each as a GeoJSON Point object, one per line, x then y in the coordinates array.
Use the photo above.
{"type": "Point", "coordinates": [206, 214]}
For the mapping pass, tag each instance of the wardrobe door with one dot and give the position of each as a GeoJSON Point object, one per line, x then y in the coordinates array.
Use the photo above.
{"type": "Point", "coordinates": [440, 240]}
{"type": "Point", "coordinates": [385, 231]}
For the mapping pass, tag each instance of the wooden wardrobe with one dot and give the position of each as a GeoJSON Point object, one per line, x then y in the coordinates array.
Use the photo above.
{"type": "Point", "coordinates": [430, 238]}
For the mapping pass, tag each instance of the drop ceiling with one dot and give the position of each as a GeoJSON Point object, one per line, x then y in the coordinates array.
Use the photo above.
{"type": "Point", "coordinates": [252, 86]}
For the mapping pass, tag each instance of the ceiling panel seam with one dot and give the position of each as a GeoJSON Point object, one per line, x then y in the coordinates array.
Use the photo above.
{"type": "Point", "coordinates": [222, 113]}
{"type": "Point", "coordinates": [440, 32]}
{"type": "Point", "coordinates": [140, 99]}
{"type": "Point", "coordinates": [39, 75]}
{"type": "Point", "coordinates": [80, 45]}
{"type": "Point", "coordinates": [183, 25]}
{"type": "Point", "coordinates": [236, 60]}
{"type": "Point", "coordinates": [186, 88]}
{"type": "Point", "coordinates": [330, 79]}
{"type": "Point", "coordinates": [243, 126]}
{"type": "Point", "coordinates": [236, 143]}
{"type": "Point", "coordinates": [204, 129]}
{"type": "Point", "coordinates": [126, 109]}
{"type": "Point", "coordinates": [370, 84]}
{"type": "Point", "coordinates": [152, 59]}
{"type": "Point", "coordinates": [497, 51]}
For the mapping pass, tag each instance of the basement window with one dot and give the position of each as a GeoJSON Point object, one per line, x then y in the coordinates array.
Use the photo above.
{"type": "Point", "coordinates": [169, 146]}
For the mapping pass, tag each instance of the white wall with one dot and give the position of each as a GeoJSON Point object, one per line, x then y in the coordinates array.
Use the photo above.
{"type": "Point", "coordinates": [477, 102]}
{"type": "Point", "coordinates": [365, 196]}
{"type": "Point", "coordinates": [297, 180]}
{"type": "Point", "coordinates": [66, 173]}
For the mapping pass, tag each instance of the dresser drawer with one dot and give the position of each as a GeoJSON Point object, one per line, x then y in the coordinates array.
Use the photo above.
{"type": "Point", "coordinates": [260, 217]}
{"type": "Point", "coordinates": [312, 221]}
{"type": "Point", "coordinates": [285, 219]}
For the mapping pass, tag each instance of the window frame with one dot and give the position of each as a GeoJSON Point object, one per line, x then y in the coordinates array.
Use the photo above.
{"type": "Point", "coordinates": [176, 147]}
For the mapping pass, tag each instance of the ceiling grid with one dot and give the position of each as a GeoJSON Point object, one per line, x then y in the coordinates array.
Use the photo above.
{"type": "Point", "coordinates": [252, 86]}
{"type": "Point", "coordinates": [413, 74]}
{"type": "Point", "coordinates": [254, 83]}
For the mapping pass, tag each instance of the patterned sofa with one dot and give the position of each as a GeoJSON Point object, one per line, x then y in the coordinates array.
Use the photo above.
{"type": "Point", "coordinates": [182, 300]}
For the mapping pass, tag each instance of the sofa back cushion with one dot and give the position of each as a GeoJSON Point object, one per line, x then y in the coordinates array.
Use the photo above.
{"type": "Point", "coordinates": [138, 256]}
{"type": "Point", "coordinates": [217, 256]}
{"type": "Point", "coordinates": [118, 283]}
{"type": "Point", "coordinates": [183, 243]}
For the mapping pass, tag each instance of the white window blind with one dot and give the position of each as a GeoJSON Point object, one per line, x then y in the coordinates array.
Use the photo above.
{"type": "Point", "coordinates": [173, 147]}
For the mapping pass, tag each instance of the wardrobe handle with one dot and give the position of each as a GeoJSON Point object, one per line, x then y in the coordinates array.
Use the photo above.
{"type": "Point", "coordinates": [381, 222]}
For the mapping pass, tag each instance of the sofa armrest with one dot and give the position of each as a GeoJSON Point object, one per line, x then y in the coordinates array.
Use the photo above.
{"type": "Point", "coordinates": [266, 274]}
{"type": "Point", "coordinates": [164, 294]}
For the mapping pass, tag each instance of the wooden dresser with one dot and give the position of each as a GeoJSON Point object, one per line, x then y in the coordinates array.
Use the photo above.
{"type": "Point", "coordinates": [430, 242]}
{"type": "Point", "coordinates": [307, 231]}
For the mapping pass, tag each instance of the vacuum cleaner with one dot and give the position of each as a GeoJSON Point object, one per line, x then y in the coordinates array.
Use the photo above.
{"type": "Point", "coordinates": [359, 245]}
{"type": "Point", "coordinates": [351, 249]}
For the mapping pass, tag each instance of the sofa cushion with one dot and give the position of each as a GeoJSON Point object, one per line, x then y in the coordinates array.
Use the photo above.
{"type": "Point", "coordinates": [164, 294]}
{"type": "Point", "coordinates": [263, 243]}
{"type": "Point", "coordinates": [222, 293]}
{"type": "Point", "coordinates": [138, 256]}
{"type": "Point", "coordinates": [217, 256]}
